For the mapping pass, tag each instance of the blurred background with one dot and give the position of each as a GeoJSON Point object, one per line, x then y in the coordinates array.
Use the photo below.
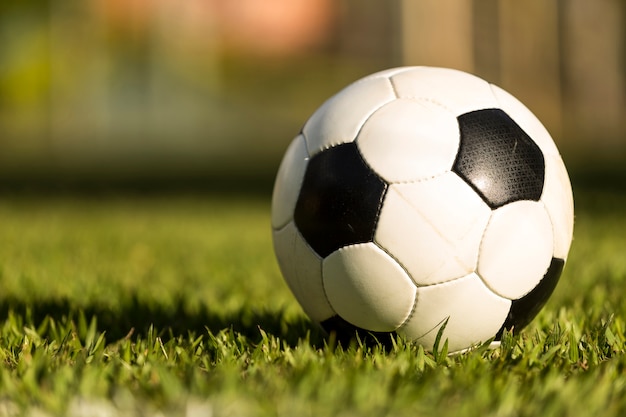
{"type": "Point", "coordinates": [208, 93]}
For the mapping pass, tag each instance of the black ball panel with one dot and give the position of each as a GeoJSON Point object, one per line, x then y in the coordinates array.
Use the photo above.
{"type": "Point", "coordinates": [498, 159]}
{"type": "Point", "coordinates": [339, 201]}
{"type": "Point", "coordinates": [523, 310]}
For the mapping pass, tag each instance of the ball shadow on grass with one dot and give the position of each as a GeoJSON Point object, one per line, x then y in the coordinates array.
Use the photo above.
{"type": "Point", "coordinates": [136, 318]}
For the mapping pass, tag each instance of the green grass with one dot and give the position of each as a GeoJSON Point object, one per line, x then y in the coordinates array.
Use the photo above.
{"type": "Point", "coordinates": [174, 305]}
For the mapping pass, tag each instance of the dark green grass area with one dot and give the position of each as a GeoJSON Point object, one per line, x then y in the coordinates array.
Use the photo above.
{"type": "Point", "coordinates": [173, 304]}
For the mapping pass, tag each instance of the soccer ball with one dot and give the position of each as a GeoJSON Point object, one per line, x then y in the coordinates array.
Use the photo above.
{"type": "Point", "coordinates": [422, 197]}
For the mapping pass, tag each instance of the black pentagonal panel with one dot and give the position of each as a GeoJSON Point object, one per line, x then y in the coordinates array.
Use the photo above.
{"type": "Point", "coordinates": [345, 333]}
{"type": "Point", "coordinates": [339, 201]}
{"type": "Point", "coordinates": [526, 308]}
{"type": "Point", "coordinates": [498, 159]}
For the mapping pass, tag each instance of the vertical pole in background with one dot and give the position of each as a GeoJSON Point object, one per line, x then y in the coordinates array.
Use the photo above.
{"type": "Point", "coordinates": [529, 57]}
{"type": "Point", "coordinates": [437, 33]}
{"type": "Point", "coordinates": [486, 39]}
{"type": "Point", "coordinates": [594, 70]}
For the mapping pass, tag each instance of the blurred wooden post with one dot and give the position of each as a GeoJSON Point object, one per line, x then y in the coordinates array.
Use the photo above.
{"type": "Point", "coordinates": [529, 57]}
{"type": "Point", "coordinates": [595, 75]}
{"type": "Point", "coordinates": [438, 33]}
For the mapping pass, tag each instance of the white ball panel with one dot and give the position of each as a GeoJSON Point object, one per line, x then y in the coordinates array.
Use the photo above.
{"type": "Point", "coordinates": [517, 248]}
{"type": "Point", "coordinates": [526, 120]}
{"type": "Point", "coordinates": [407, 140]}
{"type": "Point", "coordinates": [367, 287]}
{"type": "Point", "coordinates": [433, 227]}
{"type": "Point", "coordinates": [302, 270]}
{"type": "Point", "coordinates": [474, 313]}
{"type": "Point", "coordinates": [288, 182]}
{"type": "Point", "coordinates": [340, 118]}
{"type": "Point", "coordinates": [457, 91]}
{"type": "Point", "coordinates": [559, 202]}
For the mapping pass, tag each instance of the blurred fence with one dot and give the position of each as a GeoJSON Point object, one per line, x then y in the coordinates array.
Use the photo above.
{"type": "Point", "coordinates": [565, 59]}
{"type": "Point", "coordinates": [161, 89]}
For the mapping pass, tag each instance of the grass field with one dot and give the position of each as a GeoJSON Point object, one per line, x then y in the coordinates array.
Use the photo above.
{"type": "Point", "coordinates": [173, 305]}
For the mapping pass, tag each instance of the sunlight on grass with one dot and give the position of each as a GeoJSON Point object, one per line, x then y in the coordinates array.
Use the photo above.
{"type": "Point", "coordinates": [175, 305]}
{"type": "Point", "coordinates": [196, 250]}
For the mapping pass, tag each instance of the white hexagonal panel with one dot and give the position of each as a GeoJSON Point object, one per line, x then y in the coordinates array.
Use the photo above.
{"type": "Point", "coordinates": [302, 270]}
{"type": "Point", "coordinates": [288, 182]}
{"type": "Point", "coordinates": [341, 117]}
{"type": "Point", "coordinates": [559, 202]}
{"type": "Point", "coordinates": [457, 91]}
{"type": "Point", "coordinates": [517, 248]}
{"type": "Point", "coordinates": [526, 120]}
{"type": "Point", "coordinates": [367, 287]}
{"type": "Point", "coordinates": [474, 314]}
{"type": "Point", "coordinates": [408, 140]}
{"type": "Point", "coordinates": [433, 228]}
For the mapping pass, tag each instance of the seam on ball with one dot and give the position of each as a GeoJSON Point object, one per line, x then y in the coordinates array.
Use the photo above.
{"type": "Point", "coordinates": [353, 139]}
{"type": "Point", "coordinates": [494, 95]}
{"type": "Point", "coordinates": [280, 228]}
{"type": "Point", "coordinates": [552, 224]}
{"type": "Point", "coordinates": [450, 281]}
{"type": "Point", "coordinates": [423, 179]}
{"type": "Point", "coordinates": [411, 313]}
{"type": "Point", "coordinates": [306, 143]}
{"type": "Point", "coordinates": [369, 116]}
{"type": "Point", "coordinates": [408, 274]}
{"type": "Point", "coordinates": [393, 87]}
{"type": "Point", "coordinates": [429, 100]}
{"type": "Point", "coordinates": [396, 260]}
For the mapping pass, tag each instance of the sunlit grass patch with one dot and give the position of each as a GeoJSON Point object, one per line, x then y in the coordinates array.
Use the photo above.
{"type": "Point", "coordinates": [174, 305]}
